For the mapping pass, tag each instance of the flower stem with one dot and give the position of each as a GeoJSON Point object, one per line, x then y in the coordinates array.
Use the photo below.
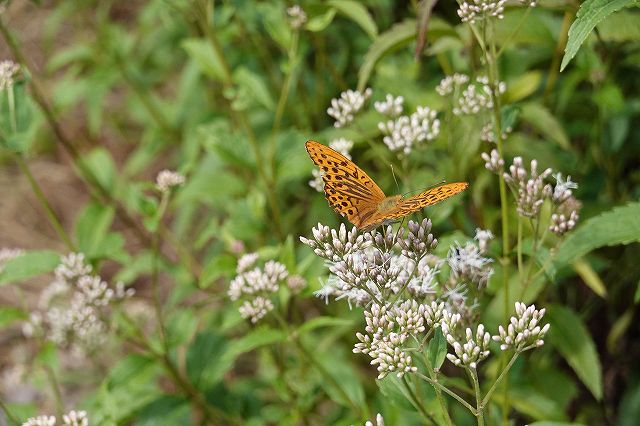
{"type": "Point", "coordinates": [476, 387]}
{"type": "Point", "coordinates": [434, 378]}
{"type": "Point", "coordinates": [415, 401]}
{"type": "Point", "coordinates": [12, 419]}
{"type": "Point", "coordinates": [448, 392]}
{"type": "Point", "coordinates": [503, 375]}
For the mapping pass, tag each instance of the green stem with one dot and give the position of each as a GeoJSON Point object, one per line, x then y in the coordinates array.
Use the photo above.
{"type": "Point", "coordinates": [476, 388]}
{"type": "Point", "coordinates": [55, 386]}
{"type": "Point", "coordinates": [503, 375]}
{"type": "Point", "coordinates": [514, 32]}
{"type": "Point", "coordinates": [443, 405]}
{"type": "Point", "coordinates": [519, 249]}
{"type": "Point", "coordinates": [12, 419]}
{"type": "Point", "coordinates": [155, 282]}
{"type": "Point", "coordinates": [415, 401]}
{"type": "Point", "coordinates": [448, 392]}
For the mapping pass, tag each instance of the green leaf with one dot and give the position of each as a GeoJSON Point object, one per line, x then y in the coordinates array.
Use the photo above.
{"type": "Point", "coordinates": [590, 277]}
{"type": "Point", "coordinates": [203, 356]}
{"type": "Point", "coordinates": [591, 12]}
{"type": "Point", "coordinates": [101, 164]}
{"type": "Point", "coordinates": [524, 86]}
{"type": "Point", "coordinates": [11, 314]}
{"type": "Point", "coordinates": [17, 118]}
{"type": "Point", "coordinates": [320, 22]}
{"type": "Point", "coordinates": [636, 297]}
{"type": "Point", "coordinates": [92, 226]}
{"type": "Point", "coordinates": [219, 266]}
{"type": "Point", "coordinates": [619, 329]}
{"type": "Point", "coordinates": [357, 13]}
{"type": "Point", "coordinates": [324, 321]}
{"type": "Point", "coordinates": [437, 349]}
{"type": "Point", "coordinates": [205, 57]}
{"type": "Point", "coordinates": [288, 254]}
{"type": "Point", "coordinates": [571, 338]}
{"type": "Point", "coordinates": [253, 86]}
{"type": "Point", "coordinates": [29, 265]}
{"type": "Point", "coordinates": [546, 123]}
{"type": "Point", "coordinates": [621, 225]}
{"type": "Point", "coordinates": [398, 35]}
{"type": "Point", "coordinates": [166, 410]}
{"type": "Point", "coordinates": [510, 115]}
{"type": "Point", "coordinates": [620, 27]}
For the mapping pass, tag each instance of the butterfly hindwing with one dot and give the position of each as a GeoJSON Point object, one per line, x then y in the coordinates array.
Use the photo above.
{"type": "Point", "coordinates": [429, 197]}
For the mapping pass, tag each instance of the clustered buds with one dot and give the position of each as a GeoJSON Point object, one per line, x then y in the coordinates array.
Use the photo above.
{"type": "Point", "coordinates": [405, 131]}
{"type": "Point", "coordinates": [343, 109]}
{"type": "Point", "coordinates": [473, 350]}
{"type": "Point", "coordinates": [524, 331]}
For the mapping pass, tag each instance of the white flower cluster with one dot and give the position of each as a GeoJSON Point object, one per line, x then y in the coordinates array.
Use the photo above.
{"type": "Point", "coordinates": [524, 331]}
{"type": "Point", "coordinates": [167, 179]}
{"type": "Point", "coordinates": [368, 264]}
{"type": "Point", "coordinates": [406, 131]}
{"type": "Point", "coordinates": [391, 106]}
{"type": "Point", "coordinates": [483, 236]}
{"type": "Point", "coordinates": [8, 72]}
{"type": "Point", "coordinates": [256, 285]}
{"type": "Point", "coordinates": [529, 186]}
{"type": "Point", "coordinates": [473, 350]}
{"type": "Point", "coordinates": [74, 307]}
{"type": "Point", "coordinates": [471, 10]}
{"type": "Point", "coordinates": [450, 83]}
{"type": "Point", "coordinates": [468, 265]}
{"type": "Point", "coordinates": [72, 418]}
{"type": "Point", "coordinates": [297, 17]}
{"type": "Point", "coordinates": [493, 161]}
{"type": "Point", "coordinates": [477, 97]}
{"type": "Point", "coordinates": [343, 109]}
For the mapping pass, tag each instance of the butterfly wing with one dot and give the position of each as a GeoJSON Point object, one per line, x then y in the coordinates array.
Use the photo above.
{"type": "Point", "coordinates": [409, 205]}
{"type": "Point", "coordinates": [348, 189]}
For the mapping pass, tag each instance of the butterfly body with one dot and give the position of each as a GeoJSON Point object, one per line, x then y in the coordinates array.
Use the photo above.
{"type": "Point", "coordinates": [354, 195]}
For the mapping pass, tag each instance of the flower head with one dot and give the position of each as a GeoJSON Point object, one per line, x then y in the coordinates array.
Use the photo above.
{"type": "Point", "coordinates": [473, 350]}
{"type": "Point", "coordinates": [471, 10]}
{"type": "Point", "coordinates": [483, 236]}
{"type": "Point", "coordinates": [391, 107]}
{"type": "Point", "coordinates": [167, 179]}
{"type": "Point", "coordinates": [343, 146]}
{"type": "Point", "coordinates": [493, 161]}
{"type": "Point", "coordinates": [524, 331]}
{"type": "Point", "coordinates": [8, 71]}
{"type": "Point", "coordinates": [530, 186]}
{"type": "Point", "coordinates": [297, 16]}
{"type": "Point", "coordinates": [468, 264]}
{"type": "Point", "coordinates": [379, 421]}
{"type": "Point", "coordinates": [406, 131]}
{"type": "Point", "coordinates": [343, 109]}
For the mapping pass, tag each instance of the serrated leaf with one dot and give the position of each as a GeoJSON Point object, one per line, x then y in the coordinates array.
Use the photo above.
{"type": "Point", "coordinates": [398, 35]}
{"type": "Point", "coordinates": [591, 13]}
{"type": "Point", "coordinates": [571, 338]}
{"type": "Point", "coordinates": [203, 355]}
{"type": "Point", "coordinates": [205, 57]}
{"type": "Point", "coordinates": [546, 123]}
{"type": "Point", "coordinates": [357, 13]}
{"type": "Point", "coordinates": [621, 225]}
{"type": "Point", "coordinates": [437, 349]}
{"type": "Point", "coordinates": [29, 265]}
{"type": "Point", "coordinates": [590, 277]}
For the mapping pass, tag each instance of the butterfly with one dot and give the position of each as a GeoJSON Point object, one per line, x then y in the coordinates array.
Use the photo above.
{"type": "Point", "coordinates": [354, 195]}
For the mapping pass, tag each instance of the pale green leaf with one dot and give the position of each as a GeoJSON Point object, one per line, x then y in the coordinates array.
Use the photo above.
{"type": "Point", "coordinates": [219, 266]}
{"type": "Point", "coordinates": [590, 277]}
{"type": "Point", "coordinates": [320, 22]}
{"type": "Point", "coordinates": [255, 87]}
{"type": "Point", "coordinates": [11, 314]}
{"type": "Point", "coordinates": [205, 57]}
{"type": "Point", "coordinates": [591, 12]}
{"type": "Point", "coordinates": [524, 86]}
{"type": "Point", "coordinates": [437, 349]}
{"type": "Point", "coordinates": [323, 321]}
{"type": "Point", "coordinates": [358, 13]}
{"type": "Point", "coordinates": [618, 329]}
{"type": "Point", "coordinates": [546, 123]}
{"type": "Point", "coordinates": [28, 265]}
{"type": "Point", "coordinates": [571, 338]}
{"type": "Point", "coordinates": [398, 35]}
{"type": "Point", "coordinates": [621, 225]}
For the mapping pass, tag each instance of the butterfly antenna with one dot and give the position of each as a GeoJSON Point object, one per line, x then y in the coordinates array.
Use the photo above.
{"type": "Point", "coordinates": [394, 177]}
{"type": "Point", "coordinates": [424, 189]}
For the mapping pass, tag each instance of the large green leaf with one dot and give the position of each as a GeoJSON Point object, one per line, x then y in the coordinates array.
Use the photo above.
{"type": "Point", "coordinates": [396, 36]}
{"type": "Point", "coordinates": [29, 265]}
{"type": "Point", "coordinates": [591, 12]}
{"type": "Point", "coordinates": [571, 338]}
{"type": "Point", "coordinates": [358, 13]}
{"type": "Point", "coordinates": [546, 123]}
{"type": "Point", "coordinates": [620, 225]}
{"type": "Point", "coordinates": [437, 349]}
{"type": "Point", "coordinates": [206, 58]}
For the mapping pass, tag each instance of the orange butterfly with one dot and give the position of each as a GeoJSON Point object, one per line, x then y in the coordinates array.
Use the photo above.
{"type": "Point", "coordinates": [353, 194]}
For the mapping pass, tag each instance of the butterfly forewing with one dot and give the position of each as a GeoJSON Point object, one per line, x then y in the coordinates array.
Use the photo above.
{"type": "Point", "coordinates": [430, 196]}
{"type": "Point", "coordinates": [349, 190]}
